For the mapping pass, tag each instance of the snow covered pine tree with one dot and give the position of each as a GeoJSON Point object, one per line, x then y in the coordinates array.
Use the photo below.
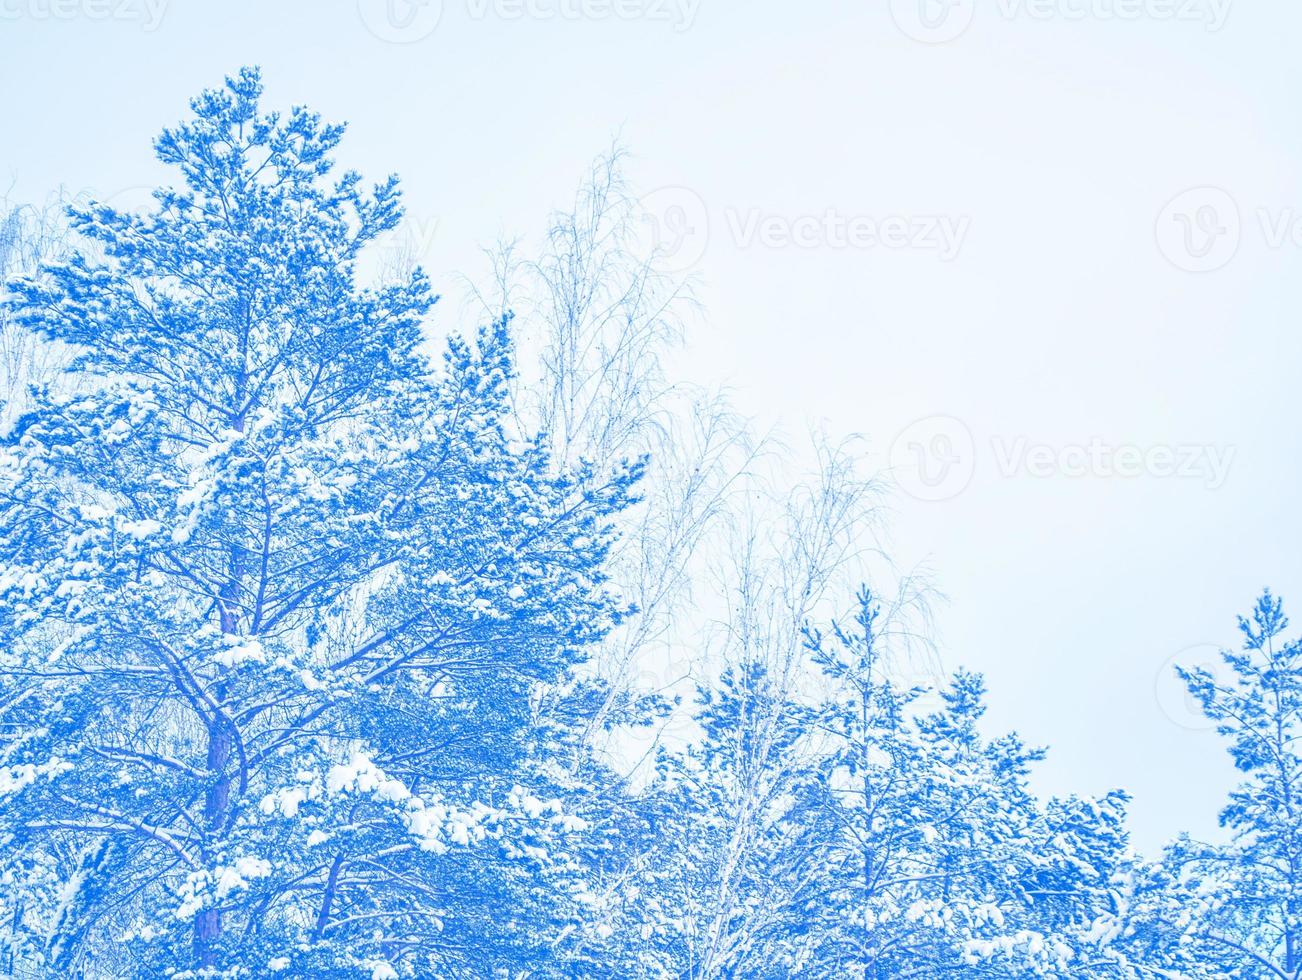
{"type": "Point", "coordinates": [849, 834]}
{"type": "Point", "coordinates": [1237, 907]}
{"type": "Point", "coordinates": [277, 596]}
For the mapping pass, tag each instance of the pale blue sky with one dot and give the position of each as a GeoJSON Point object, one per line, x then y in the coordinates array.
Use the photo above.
{"type": "Point", "coordinates": [1047, 139]}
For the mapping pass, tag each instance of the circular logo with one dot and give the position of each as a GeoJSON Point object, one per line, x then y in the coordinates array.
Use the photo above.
{"type": "Point", "coordinates": [677, 223]}
{"type": "Point", "coordinates": [400, 21]}
{"type": "Point", "coordinates": [1199, 229]}
{"type": "Point", "coordinates": [933, 21]}
{"type": "Point", "coordinates": [1172, 693]}
{"type": "Point", "coordinates": [934, 458]}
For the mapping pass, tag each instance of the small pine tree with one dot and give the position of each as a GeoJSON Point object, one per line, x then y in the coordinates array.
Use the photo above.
{"type": "Point", "coordinates": [1248, 895]}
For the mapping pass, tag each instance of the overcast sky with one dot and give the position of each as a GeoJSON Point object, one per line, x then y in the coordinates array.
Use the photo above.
{"type": "Point", "coordinates": [1042, 255]}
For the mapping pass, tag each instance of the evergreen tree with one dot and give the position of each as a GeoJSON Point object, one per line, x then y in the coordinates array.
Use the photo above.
{"type": "Point", "coordinates": [1244, 908]}
{"type": "Point", "coordinates": [920, 820]}
{"type": "Point", "coordinates": [846, 832]}
{"type": "Point", "coordinates": [278, 596]}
